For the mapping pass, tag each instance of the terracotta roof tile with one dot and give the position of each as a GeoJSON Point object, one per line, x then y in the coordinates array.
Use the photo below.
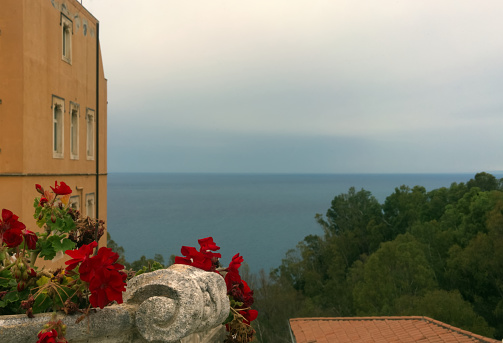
{"type": "Point", "coordinates": [380, 330]}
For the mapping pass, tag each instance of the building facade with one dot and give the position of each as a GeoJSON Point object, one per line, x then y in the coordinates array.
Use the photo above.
{"type": "Point", "coordinates": [53, 106]}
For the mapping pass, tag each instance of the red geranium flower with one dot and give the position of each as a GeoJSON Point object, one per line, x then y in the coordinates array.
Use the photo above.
{"type": "Point", "coordinates": [207, 244]}
{"type": "Point", "coordinates": [196, 258]}
{"type": "Point", "coordinates": [43, 201]}
{"type": "Point", "coordinates": [107, 259]}
{"type": "Point", "coordinates": [13, 237]}
{"type": "Point", "coordinates": [202, 259]}
{"type": "Point", "coordinates": [105, 287]}
{"type": "Point", "coordinates": [47, 337]}
{"type": "Point", "coordinates": [241, 292]}
{"type": "Point", "coordinates": [236, 262]}
{"type": "Point", "coordinates": [30, 239]}
{"type": "Point", "coordinates": [250, 315]}
{"type": "Point", "coordinates": [79, 255]}
{"type": "Point", "coordinates": [9, 221]}
{"type": "Point", "coordinates": [62, 189]}
{"type": "Point", "coordinates": [232, 277]}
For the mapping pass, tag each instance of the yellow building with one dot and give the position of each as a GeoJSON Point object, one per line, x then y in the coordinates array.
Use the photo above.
{"type": "Point", "coordinates": [53, 106]}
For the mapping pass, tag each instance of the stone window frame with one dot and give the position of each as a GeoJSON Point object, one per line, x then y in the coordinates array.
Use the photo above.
{"type": "Point", "coordinates": [66, 38]}
{"type": "Point", "coordinates": [74, 202]}
{"type": "Point", "coordinates": [90, 133]}
{"type": "Point", "coordinates": [74, 113]}
{"type": "Point", "coordinates": [90, 205]}
{"type": "Point", "coordinates": [58, 126]}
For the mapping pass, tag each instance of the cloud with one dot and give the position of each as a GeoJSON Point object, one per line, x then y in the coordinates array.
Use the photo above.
{"type": "Point", "coordinates": [233, 85]}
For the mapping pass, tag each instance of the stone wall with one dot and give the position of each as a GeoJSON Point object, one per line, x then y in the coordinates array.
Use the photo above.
{"type": "Point", "coordinates": [178, 304]}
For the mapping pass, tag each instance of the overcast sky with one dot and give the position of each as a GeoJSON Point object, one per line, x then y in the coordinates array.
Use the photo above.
{"type": "Point", "coordinates": [303, 86]}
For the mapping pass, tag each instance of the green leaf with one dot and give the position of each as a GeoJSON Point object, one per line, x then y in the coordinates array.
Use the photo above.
{"type": "Point", "coordinates": [229, 318]}
{"type": "Point", "coordinates": [5, 278]}
{"type": "Point", "coordinates": [43, 280]}
{"type": "Point", "coordinates": [69, 223]}
{"type": "Point", "coordinates": [64, 293]}
{"type": "Point", "coordinates": [47, 250]}
{"type": "Point", "coordinates": [63, 245]}
{"type": "Point", "coordinates": [42, 303]}
{"type": "Point", "coordinates": [11, 297]}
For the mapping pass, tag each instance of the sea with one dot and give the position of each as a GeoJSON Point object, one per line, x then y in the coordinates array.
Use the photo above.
{"type": "Point", "coordinates": [260, 216]}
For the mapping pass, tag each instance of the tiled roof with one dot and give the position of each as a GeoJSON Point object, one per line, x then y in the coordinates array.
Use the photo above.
{"type": "Point", "coordinates": [380, 329]}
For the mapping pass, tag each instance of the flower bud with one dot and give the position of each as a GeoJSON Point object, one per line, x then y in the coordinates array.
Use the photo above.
{"type": "Point", "coordinates": [40, 216]}
{"type": "Point", "coordinates": [53, 218]}
{"type": "Point", "coordinates": [21, 285]}
{"type": "Point", "coordinates": [32, 272]}
{"type": "Point", "coordinates": [39, 188]}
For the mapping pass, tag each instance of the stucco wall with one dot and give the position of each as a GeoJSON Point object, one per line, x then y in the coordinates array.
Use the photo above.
{"type": "Point", "coordinates": [33, 71]}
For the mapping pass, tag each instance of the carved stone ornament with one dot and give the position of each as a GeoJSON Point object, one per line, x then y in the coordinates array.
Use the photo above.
{"type": "Point", "coordinates": [166, 305]}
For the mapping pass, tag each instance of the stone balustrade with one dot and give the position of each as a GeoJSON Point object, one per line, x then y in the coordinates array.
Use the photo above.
{"type": "Point", "coordinates": [178, 304]}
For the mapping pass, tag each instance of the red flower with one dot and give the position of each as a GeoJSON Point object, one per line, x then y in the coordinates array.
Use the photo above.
{"type": "Point", "coordinates": [241, 292]}
{"type": "Point", "coordinates": [232, 277]}
{"type": "Point", "coordinates": [30, 239]}
{"type": "Point", "coordinates": [194, 258]}
{"type": "Point", "coordinates": [105, 259]}
{"type": "Point", "coordinates": [43, 201]}
{"type": "Point", "coordinates": [13, 237]}
{"type": "Point", "coordinates": [250, 315]}
{"type": "Point", "coordinates": [62, 189]}
{"type": "Point", "coordinates": [236, 262]}
{"type": "Point", "coordinates": [50, 337]}
{"type": "Point", "coordinates": [9, 221]}
{"type": "Point", "coordinates": [47, 337]}
{"type": "Point", "coordinates": [202, 259]}
{"type": "Point", "coordinates": [207, 244]}
{"type": "Point", "coordinates": [106, 286]}
{"type": "Point", "coordinates": [79, 255]}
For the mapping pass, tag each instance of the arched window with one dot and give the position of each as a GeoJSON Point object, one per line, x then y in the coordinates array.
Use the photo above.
{"type": "Point", "coordinates": [67, 31]}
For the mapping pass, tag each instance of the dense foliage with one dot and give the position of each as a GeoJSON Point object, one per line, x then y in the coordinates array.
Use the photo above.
{"type": "Point", "coordinates": [89, 280]}
{"type": "Point", "coordinates": [437, 254]}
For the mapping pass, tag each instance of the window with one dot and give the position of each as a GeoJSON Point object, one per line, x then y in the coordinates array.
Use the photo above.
{"type": "Point", "coordinates": [75, 202]}
{"type": "Point", "coordinates": [90, 134]}
{"type": "Point", "coordinates": [90, 204]}
{"type": "Point", "coordinates": [66, 33]}
{"type": "Point", "coordinates": [58, 108]}
{"type": "Point", "coordinates": [74, 131]}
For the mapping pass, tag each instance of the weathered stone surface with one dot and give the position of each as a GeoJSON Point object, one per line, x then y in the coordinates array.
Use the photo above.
{"type": "Point", "coordinates": [178, 301]}
{"type": "Point", "coordinates": [163, 306]}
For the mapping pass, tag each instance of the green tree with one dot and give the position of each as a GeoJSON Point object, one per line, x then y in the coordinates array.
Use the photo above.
{"type": "Point", "coordinates": [116, 248]}
{"type": "Point", "coordinates": [477, 270]}
{"type": "Point", "coordinates": [446, 306]}
{"type": "Point", "coordinates": [404, 207]}
{"type": "Point", "coordinates": [398, 268]}
{"type": "Point", "coordinates": [484, 181]}
{"type": "Point", "coordinates": [146, 263]}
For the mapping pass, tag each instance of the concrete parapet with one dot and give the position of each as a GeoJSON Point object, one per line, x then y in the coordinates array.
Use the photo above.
{"type": "Point", "coordinates": [177, 304]}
